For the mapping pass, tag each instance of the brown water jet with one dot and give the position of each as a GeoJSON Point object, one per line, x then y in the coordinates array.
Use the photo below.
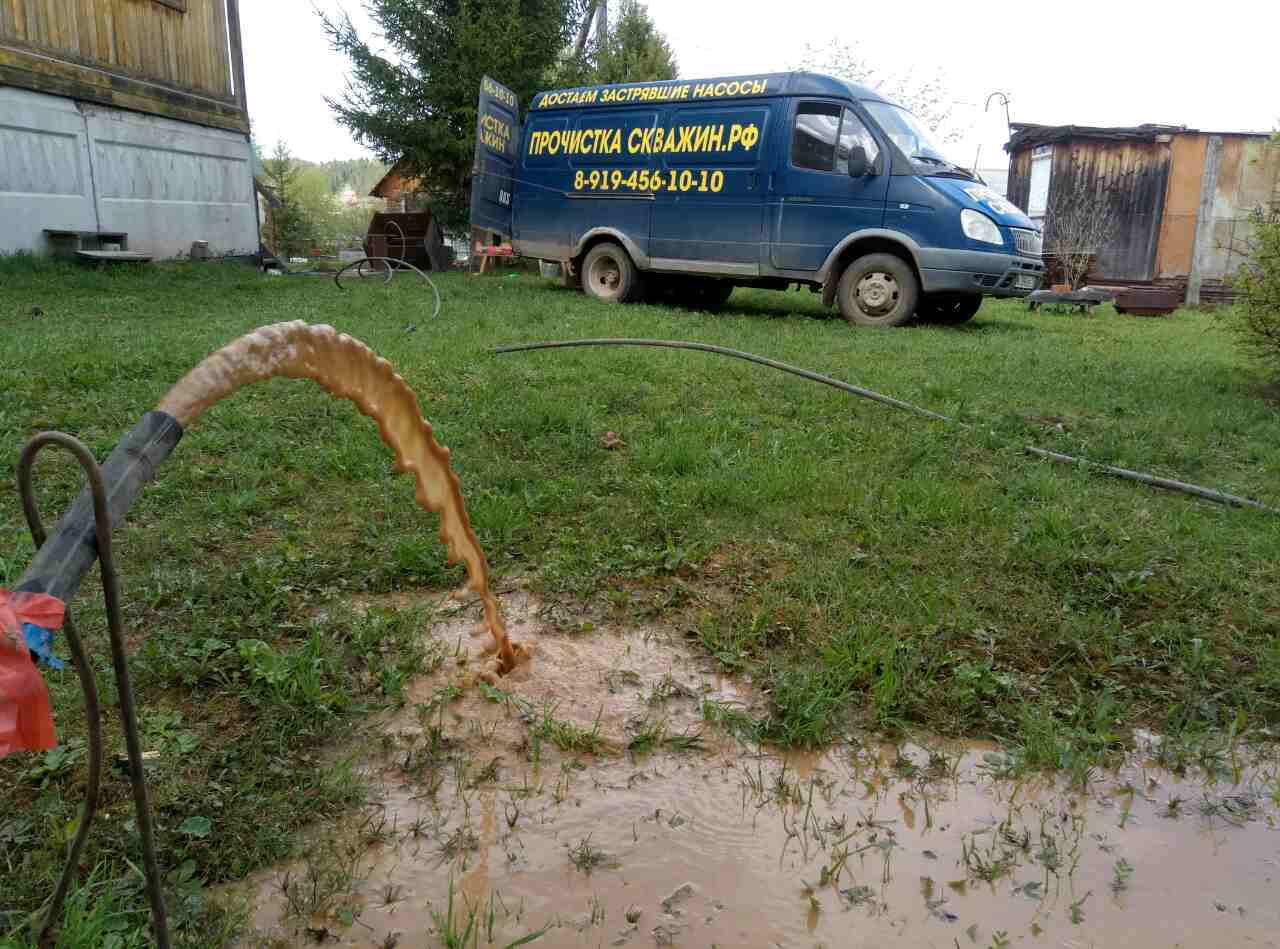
{"type": "Point", "coordinates": [348, 369]}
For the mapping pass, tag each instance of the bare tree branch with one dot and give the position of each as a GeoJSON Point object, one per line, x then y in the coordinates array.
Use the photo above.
{"type": "Point", "coordinates": [925, 98]}
{"type": "Point", "coordinates": [1080, 222]}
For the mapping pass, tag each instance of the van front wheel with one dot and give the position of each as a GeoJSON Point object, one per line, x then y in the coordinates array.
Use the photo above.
{"type": "Point", "coordinates": [878, 290]}
{"type": "Point", "coordinates": [609, 274]}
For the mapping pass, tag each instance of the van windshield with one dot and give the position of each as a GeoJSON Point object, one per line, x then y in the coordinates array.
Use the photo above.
{"type": "Point", "coordinates": [907, 133]}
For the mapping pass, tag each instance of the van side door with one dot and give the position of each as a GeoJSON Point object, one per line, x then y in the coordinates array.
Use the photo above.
{"type": "Point", "coordinates": [815, 203]}
{"type": "Point", "coordinates": [708, 211]}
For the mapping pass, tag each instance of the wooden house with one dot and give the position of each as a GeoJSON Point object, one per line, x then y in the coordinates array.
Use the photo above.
{"type": "Point", "coordinates": [124, 124]}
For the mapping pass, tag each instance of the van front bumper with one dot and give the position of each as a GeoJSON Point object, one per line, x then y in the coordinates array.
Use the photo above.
{"type": "Point", "coordinates": [973, 271]}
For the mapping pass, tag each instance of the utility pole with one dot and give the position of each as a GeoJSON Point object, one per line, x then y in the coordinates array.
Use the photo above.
{"type": "Point", "coordinates": [581, 42]}
{"type": "Point", "coordinates": [602, 24]}
{"type": "Point", "coordinates": [1202, 243]}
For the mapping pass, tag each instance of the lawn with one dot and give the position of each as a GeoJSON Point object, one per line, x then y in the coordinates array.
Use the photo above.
{"type": "Point", "coordinates": [868, 568]}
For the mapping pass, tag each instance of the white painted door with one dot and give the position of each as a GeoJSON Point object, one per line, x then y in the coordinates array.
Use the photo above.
{"type": "Point", "coordinates": [1041, 174]}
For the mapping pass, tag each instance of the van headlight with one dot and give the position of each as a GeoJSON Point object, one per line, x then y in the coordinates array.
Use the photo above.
{"type": "Point", "coordinates": [977, 226]}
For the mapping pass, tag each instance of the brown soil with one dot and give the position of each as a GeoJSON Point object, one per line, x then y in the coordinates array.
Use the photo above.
{"type": "Point", "coordinates": [726, 845]}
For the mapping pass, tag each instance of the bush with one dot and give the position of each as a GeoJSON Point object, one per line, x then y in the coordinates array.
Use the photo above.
{"type": "Point", "coordinates": [1258, 283]}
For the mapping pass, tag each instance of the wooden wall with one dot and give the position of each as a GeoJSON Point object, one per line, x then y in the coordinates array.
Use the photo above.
{"type": "Point", "coordinates": [166, 57]}
{"type": "Point", "coordinates": [1133, 173]}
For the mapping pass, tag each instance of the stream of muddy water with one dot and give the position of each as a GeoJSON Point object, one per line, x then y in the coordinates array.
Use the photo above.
{"type": "Point", "coordinates": [592, 801]}
{"type": "Point", "coordinates": [348, 369]}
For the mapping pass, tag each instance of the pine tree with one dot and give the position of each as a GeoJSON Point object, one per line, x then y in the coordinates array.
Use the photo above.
{"type": "Point", "coordinates": [286, 229]}
{"type": "Point", "coordinates": [635, 51]}
{"type": "Point", "coordinates": [418, 102]}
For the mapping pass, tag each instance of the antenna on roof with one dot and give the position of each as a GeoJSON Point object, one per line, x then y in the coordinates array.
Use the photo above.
{"type": "Point", "coordinates": [1005, 99]}
{"type": "Point", "coordinates": [1008, 126]}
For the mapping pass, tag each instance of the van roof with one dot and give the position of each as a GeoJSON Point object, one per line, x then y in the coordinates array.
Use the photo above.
{"type": "Point", "coordinates": [775, 84]}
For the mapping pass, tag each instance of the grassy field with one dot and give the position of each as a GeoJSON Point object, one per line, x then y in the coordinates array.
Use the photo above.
{"type": "Point", "coordinates": [866, 567]}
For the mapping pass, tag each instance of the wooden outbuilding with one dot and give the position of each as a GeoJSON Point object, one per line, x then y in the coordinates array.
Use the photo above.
{"type": "Point", "coordinates": [1183, 197]}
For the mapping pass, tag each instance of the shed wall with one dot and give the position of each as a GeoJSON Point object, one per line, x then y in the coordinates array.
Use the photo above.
{"type": "Point", "coordinates": [1182, 203]}
{"type": "Point", "coordinates": [1135, 176]}
{"type": "Point", "coordinates": [1248, 178]}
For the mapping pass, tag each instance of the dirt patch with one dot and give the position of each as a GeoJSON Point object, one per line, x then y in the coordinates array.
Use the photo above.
{"type": "Point", "coordinates": [1269, 392]}
{"type": "Point", "coordinates": [587, 797]}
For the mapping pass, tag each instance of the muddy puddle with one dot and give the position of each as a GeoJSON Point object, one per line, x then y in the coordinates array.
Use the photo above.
{"type": "Point", "coordinates": [587, 797]}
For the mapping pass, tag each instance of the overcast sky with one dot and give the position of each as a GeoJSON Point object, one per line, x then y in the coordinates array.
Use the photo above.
{"type": "Point", "coordinates": [1088, 62]}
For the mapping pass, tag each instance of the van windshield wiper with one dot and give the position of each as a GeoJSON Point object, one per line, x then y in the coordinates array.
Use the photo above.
{"type": "Point", "coordinates": [952, 169]}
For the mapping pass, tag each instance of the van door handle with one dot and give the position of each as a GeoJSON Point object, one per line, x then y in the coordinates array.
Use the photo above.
{"type": "Point", "coordinates": [755, 179]}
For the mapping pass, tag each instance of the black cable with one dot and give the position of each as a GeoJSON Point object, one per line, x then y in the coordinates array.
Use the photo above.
{"type": "Point", "coordinates": [393, 264]}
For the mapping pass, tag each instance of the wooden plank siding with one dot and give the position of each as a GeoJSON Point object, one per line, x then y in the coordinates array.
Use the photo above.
{"type": "Point", "coordinates": [1132, 174]}
{"type": "Point", "coordinates": [137, 54]}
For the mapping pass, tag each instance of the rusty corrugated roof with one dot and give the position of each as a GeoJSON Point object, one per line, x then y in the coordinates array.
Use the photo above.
{"type": "Point", "coordinates": [1028, 134]}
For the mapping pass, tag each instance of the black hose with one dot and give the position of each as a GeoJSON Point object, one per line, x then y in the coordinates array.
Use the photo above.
{"type": "Point", "coordinates": [1210, 494]}
{"type": "Point", "coordinates": [736, 354]}
{"type": "Point", "coordinates": [60, 564]}
{"type": "Point", "coordinates": [393, 264]}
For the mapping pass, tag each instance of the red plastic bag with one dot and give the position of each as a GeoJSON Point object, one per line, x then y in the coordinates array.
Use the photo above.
{"type": "Point", "coordinates": [26, 718]}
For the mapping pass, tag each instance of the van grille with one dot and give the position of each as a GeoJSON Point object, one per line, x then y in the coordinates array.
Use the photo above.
{"type": "Point", "coordinates": [1029, 243]}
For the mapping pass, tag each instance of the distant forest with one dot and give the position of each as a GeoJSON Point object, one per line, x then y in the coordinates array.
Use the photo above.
{"type": "Point", "coordinates": [361, 174]}
{"type": "Point", "coordinates": [308, 216]}
{"type": "Point", "coordinates": [336, 174]}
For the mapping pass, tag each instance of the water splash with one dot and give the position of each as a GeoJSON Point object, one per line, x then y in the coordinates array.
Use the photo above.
{"type": "Point", "coordinates": [347, 368]}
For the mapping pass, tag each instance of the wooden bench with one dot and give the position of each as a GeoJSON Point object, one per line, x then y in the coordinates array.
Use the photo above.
{"type": "Point", "coordinates": [69, 243]}
{"type": "Point", "coordinates": [1082, 300]}
{"type": "Point", "coordinates": [113, 256]}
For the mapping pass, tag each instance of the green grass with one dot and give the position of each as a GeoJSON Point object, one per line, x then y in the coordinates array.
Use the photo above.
{"type": "Point", "coordinates": [867, 567]}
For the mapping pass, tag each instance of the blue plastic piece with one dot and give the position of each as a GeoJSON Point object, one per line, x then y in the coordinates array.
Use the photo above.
{"type": "Point", "coordinates": [40, 643]}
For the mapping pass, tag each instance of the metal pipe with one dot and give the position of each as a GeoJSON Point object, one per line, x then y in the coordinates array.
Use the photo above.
{"type": "Point", "coordinates": [103, 509]}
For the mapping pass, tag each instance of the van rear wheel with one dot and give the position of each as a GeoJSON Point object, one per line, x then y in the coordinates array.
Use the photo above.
{"type": "Point", "coordinates": [878, 290]}
{"type": "Point", "coordinates": [609, 274]}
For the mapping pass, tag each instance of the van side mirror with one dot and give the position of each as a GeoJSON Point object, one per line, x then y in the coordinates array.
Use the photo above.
{"type": "Point", "coordinates": [859, 165]}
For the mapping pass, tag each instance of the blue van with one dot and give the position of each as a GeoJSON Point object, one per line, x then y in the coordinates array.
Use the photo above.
{"type": "Point", "coordinates": [688, 188]}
